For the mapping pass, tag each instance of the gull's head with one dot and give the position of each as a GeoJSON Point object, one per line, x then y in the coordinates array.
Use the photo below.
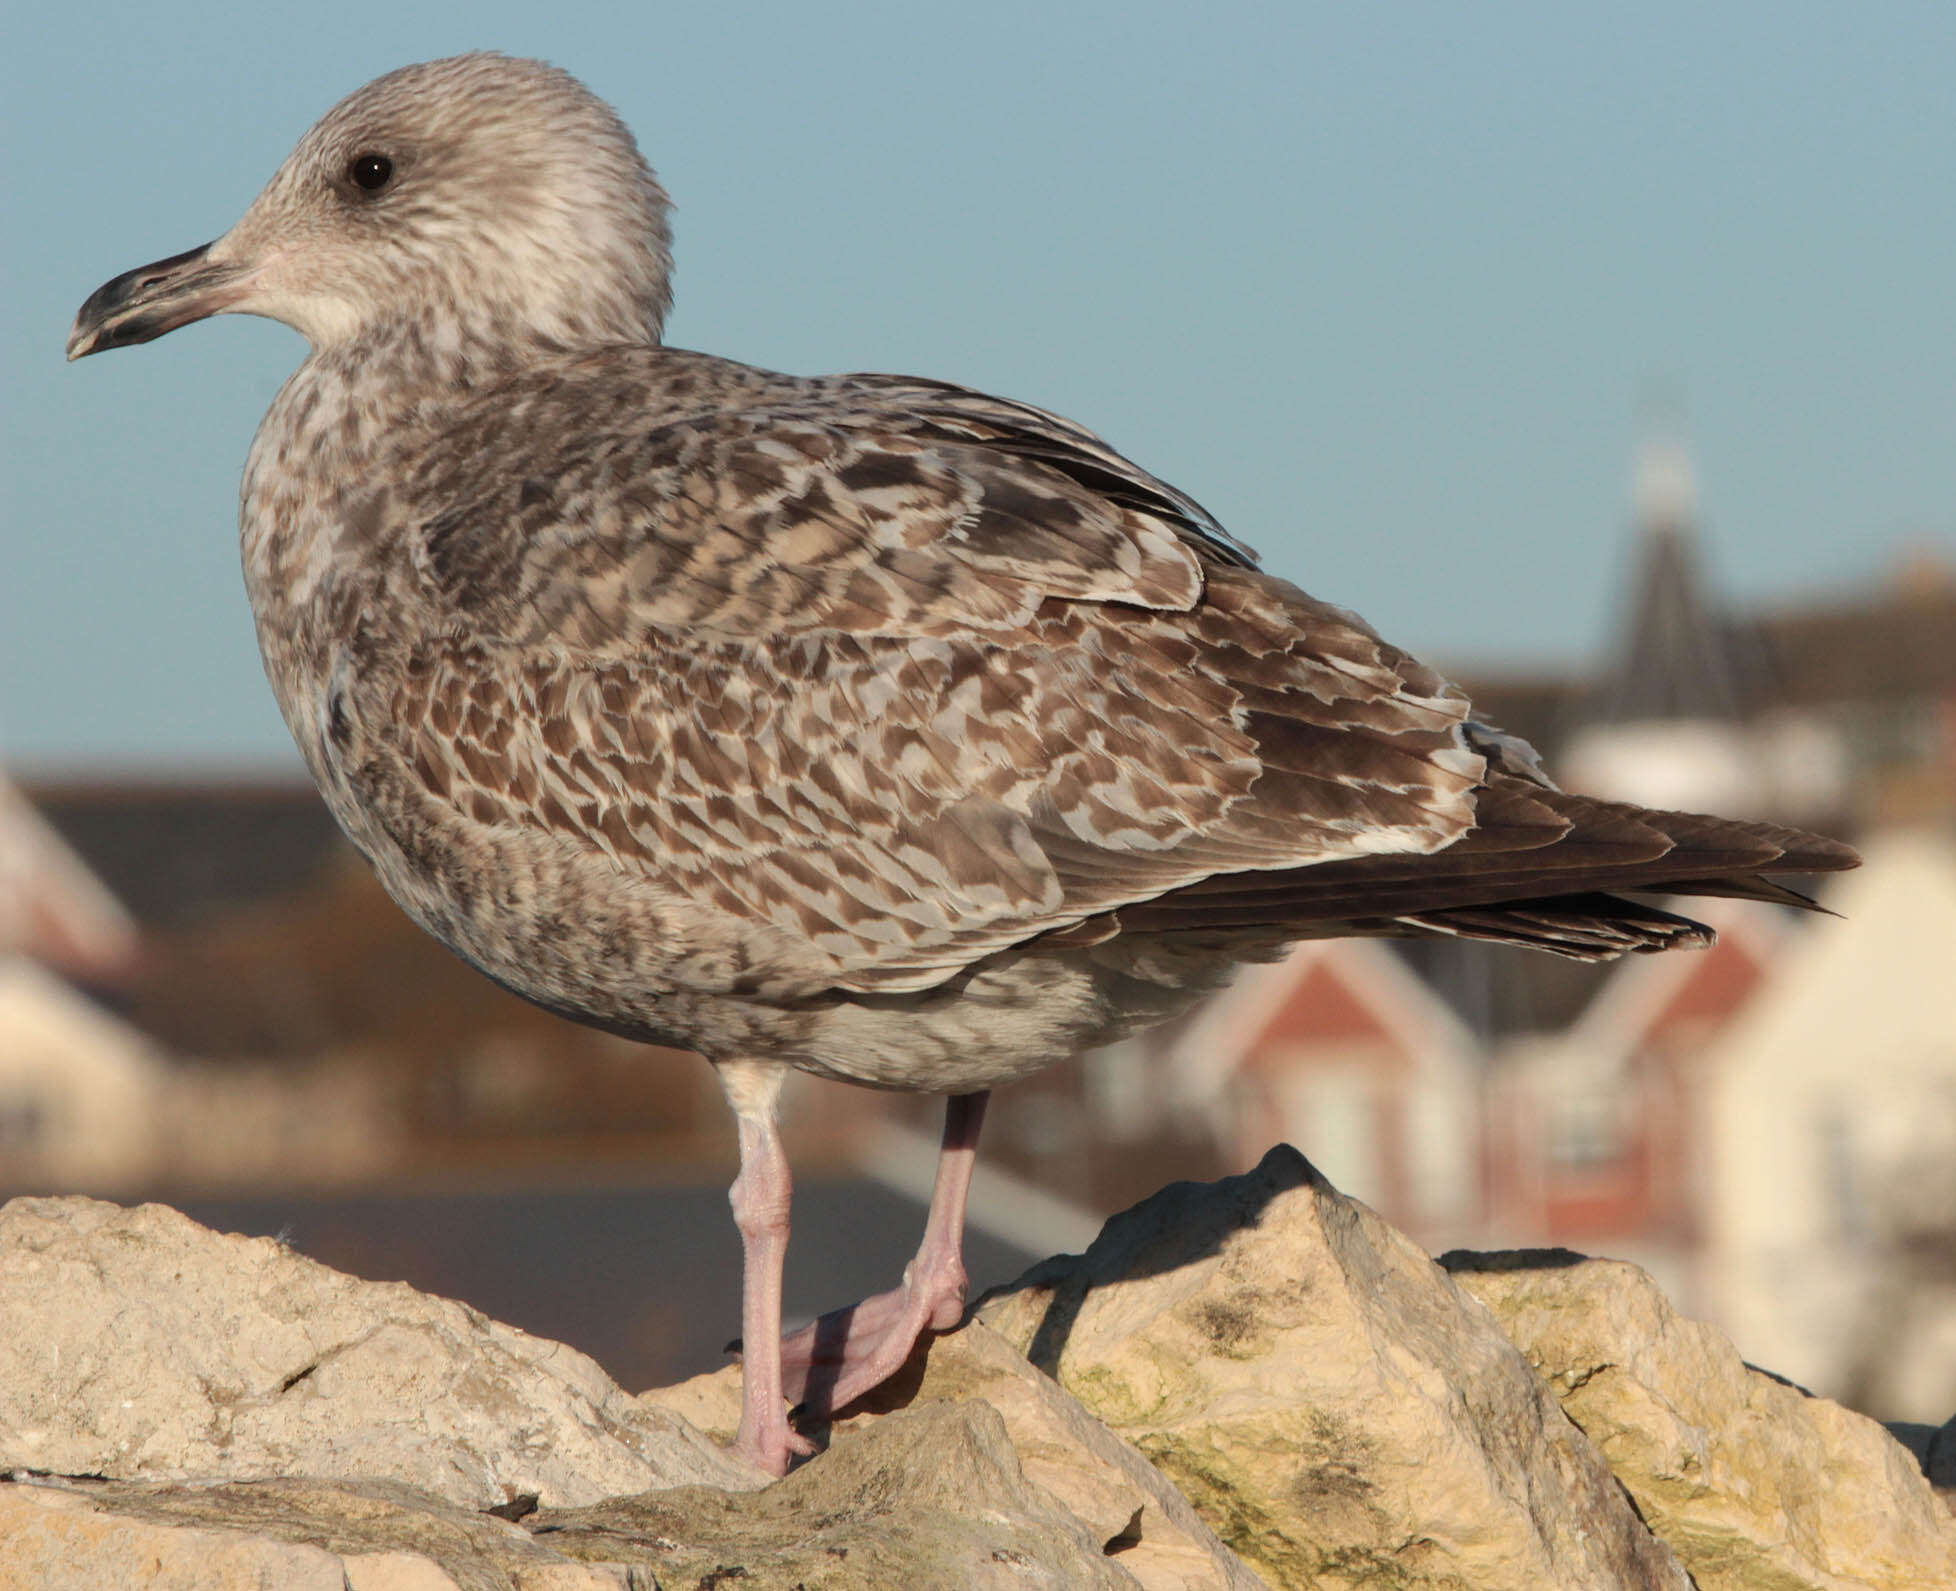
{"type": "Point", "coordinates": [477, 198]}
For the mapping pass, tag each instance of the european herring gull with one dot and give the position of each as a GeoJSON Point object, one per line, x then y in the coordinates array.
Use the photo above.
{"type": "Point", "coordinates": [863, 724]}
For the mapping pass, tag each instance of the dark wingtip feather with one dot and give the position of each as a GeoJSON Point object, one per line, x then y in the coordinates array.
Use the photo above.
{"type": "Point", "coordinates": [1586, 927]}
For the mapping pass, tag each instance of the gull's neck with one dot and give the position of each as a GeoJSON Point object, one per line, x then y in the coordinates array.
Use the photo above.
{"type": "Point", "coordinates": [346, 421]}
{"type": "Point", "coordinates": [417, 357]}
{"type": "Point", "coordinates": [393, 381]}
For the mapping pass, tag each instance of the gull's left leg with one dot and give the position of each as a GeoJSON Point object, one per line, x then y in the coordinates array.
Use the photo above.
{"type": "Point", "coordinates": [760, 1197]}
{"type": "Point", "coordinates": [844, 1354]}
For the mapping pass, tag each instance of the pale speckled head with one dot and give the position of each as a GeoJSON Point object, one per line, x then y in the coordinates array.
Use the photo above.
{"type": "Point", "coordinates": [480, 197]}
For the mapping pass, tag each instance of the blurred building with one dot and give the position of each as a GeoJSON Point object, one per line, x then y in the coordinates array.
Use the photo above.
{"type": "Point", "coordinates": [1828, 1113]}
{"type": "Point", "coordinates": [1838, 714]}
{"type": "Point", "coordinates": [1342, 1046]}
{"type": "Point", "coordinates": [1595, 1136]}
{"type": "Point", "coordinates": [78, 1088]}
{"type": "Point", "coordinates": [53, 908]}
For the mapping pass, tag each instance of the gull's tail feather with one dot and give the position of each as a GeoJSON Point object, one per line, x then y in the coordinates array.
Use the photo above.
{"type": "Point", "coordinates": [1538, 869]}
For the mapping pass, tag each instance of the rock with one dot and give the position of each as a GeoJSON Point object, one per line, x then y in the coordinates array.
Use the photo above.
{"type": "Point", "coordinates": [1280, 1370]}
{"type": "Point", "coordinates": [294, 1535]}
{"type": "Point", "coordinates": [1753, 1482]}
{"type": "Point", "coordinates": [1328, 1398]}
{"type": "Point", "coordinates": [934, 1496]}
{"type": "Point", "coordinates": [137, 1345]}
{"type": "Point", "coordinates": [928, 1496]}
{"type": "Point", "coordinates": [1126, 1504]}
{"type": "Point", "coordinates": [138, 1349]}
{"type": "Point", "coordinates": [59, 1541]}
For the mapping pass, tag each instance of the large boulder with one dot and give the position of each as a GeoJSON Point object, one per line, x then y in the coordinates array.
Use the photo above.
{"type": "Point", "coordinates": [937, 1499]}
{"type": "Point", "coordinates": [1126, 1504]}
{"type": "Point", "coordinates": [185, 1409]}
{"type": "Point", "coordinates": [1752, 1481]}
{"type": "Point", "coordinates": [137, 1345]}
{"type": "Point", "coordinates": [1254, 1382]}
{"type": "Point", "coordinates": [1326, 1396]}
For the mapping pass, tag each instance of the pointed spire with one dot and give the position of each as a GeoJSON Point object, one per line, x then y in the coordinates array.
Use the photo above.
{"type": "Point", "coordinates": [1664, 487]}
{"type": "Point", "coordinates": [1674, 657]}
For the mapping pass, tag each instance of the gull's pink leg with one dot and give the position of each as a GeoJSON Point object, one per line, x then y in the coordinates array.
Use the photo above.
{"type": "Point", "coordinates": [841, 1356]}
{"type": "Point", "coordinates": [760, 1196]}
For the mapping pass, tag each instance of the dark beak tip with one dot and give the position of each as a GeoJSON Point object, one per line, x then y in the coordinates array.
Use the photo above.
{"type": "Point", "coordinates": [85, 339]}
{"type": "Point", "coordinates": [133, 307]}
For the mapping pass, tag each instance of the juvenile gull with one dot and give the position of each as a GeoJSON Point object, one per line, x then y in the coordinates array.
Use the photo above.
{"type": "Point", "coordinates": [863, 724]}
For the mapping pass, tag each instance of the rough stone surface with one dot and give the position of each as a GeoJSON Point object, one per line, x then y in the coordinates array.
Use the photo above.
{"type": "Point", "coordinates": [930, 1496]}
{"type": "Point", "coordinates": [60, 1541]}
{"type": "Point", "coordinates": [292, 1535]}
{"type": "Point", "coordinates": [137, 1345]}
{"type": "Point", "coordinates": [936, 1498]}
{"type": "Point", "coordinates": [1753, 1482]}
{"type": "Point", "coordinates": [189, 1411]}
{"type": "Point", "coordinates": [1335, 1406]}
{"type": "Point", "coordinates": [1126, 1504]}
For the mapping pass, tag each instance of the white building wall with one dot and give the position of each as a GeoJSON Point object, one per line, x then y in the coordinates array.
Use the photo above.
{"type": "Point", "coordinates": [1830, 1106]}
{"type": "Point", "coordinates": [80, 1093]}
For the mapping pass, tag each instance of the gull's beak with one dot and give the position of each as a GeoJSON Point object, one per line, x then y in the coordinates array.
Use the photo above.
{"type": "Point", "coordinates": [152, 299]}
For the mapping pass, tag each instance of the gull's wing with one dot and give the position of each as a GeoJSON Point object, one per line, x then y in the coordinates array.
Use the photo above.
{"type": "Point", "coordinates": [711, 500]}
{"type": "Point", "coordinates": [900, 672]}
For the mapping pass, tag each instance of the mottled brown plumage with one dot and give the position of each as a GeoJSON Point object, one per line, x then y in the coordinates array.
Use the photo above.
{"type": "Point", "coordinates": [862, 724]}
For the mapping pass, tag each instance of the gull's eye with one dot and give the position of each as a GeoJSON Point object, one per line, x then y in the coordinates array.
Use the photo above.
{"type": "Point", "coordinates": [370, 172]}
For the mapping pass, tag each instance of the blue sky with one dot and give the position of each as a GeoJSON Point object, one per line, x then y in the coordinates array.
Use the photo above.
{"type": "Point", "coordinates": [1380, 284]}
